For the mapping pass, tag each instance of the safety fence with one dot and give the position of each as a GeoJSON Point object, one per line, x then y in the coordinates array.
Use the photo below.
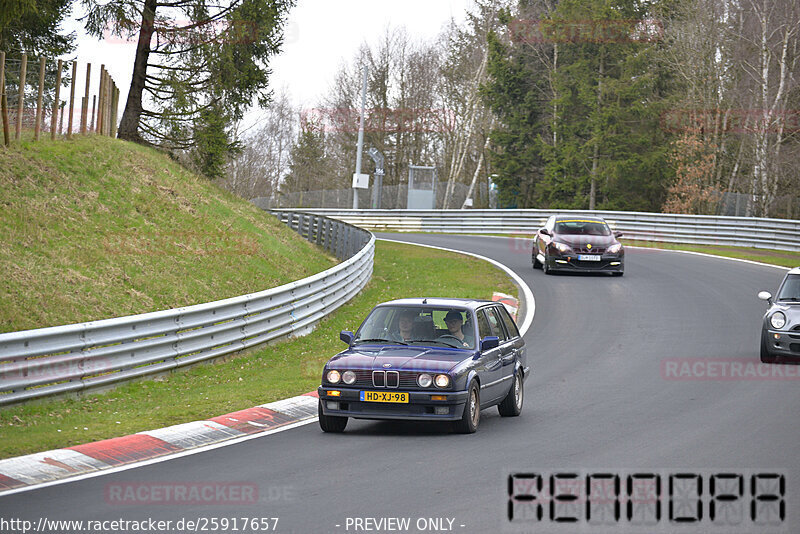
{"type": "Point", "coordinates": [72, 358]}
{"type": "Point", "coordinates": [780, 234]}
{"type": "Point", "coordinates": [31, 98]}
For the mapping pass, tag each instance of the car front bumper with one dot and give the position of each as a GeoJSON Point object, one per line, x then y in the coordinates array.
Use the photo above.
{"type": "Point", "coordinates": [787, 346]}
{"type": "Point", "coordinates": [569, 262]}
{"type": "Point", "coordinates": [419, 407]}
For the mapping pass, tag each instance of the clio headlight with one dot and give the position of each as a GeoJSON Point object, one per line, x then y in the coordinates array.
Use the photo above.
{"type": "Point", "coordinates": [778, 320]}
{"type": "Point", "coordinates": [562, 247]}
{"type": "Point", "coordinates": [613, 249]}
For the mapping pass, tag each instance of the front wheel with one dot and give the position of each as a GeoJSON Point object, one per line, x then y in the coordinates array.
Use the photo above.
{"type": "Point", "coordinates": [512, 404]}
{"type": "Point", "coordinates": [535, 256]}
{"type": "Point", "coordinates": [330, 423]}
{"type": "Point", "coordinates": [472, 411]}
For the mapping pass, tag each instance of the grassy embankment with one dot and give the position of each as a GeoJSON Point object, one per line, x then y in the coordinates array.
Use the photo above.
{"type": "Point", "coordinates": [96, 228]}
{"type": "Point", "coordinates": [258, 376]}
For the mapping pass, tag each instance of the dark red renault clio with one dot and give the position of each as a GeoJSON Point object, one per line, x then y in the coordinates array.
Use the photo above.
{"type": "Point", "coordinates": [578, 244]}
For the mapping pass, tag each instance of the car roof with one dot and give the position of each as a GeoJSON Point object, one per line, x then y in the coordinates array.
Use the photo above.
{"type": "Point", "coordinates": [796, 270]}
{"type": "Point", "coordinates": [471, 304]}
{"type": "Point", "coordinates": [560, 218]}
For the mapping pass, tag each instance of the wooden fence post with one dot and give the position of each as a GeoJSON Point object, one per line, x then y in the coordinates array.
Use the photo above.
{"type": "Point", "coordinates": [38, 126]}
{"type": "Point", "coordinates": [54, 118]}
{"type": "Point", "coordinates": [114, 111]}
{"type": "Point", "coordinates": [98, 126]}
{"type": "Point", "coordinates": [94, 108]}
{"type": "Point", "coordinates": [22, 73]}
{"type": "Point", "coordinates": [4, 100]}
{"type": "Point", "coordinates": [72, 98]}
{"type": "Point", "coordinates": [85, 107]}
{"type": "Point", "coordinates": [99, 108]}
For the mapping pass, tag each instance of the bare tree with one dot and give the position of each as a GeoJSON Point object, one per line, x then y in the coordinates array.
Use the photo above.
{"type": "Point", "coordinates": [264, 161]}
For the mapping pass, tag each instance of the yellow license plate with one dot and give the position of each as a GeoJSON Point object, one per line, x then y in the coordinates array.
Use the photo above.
{"type": "Point", "coordinates": [384, 396]}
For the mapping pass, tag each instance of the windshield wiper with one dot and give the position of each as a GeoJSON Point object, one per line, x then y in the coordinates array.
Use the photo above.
{"type": "Point", "coordinates": [379, 340]}
{"type": "Point", "coordinates": [790, 298]}
{"type": "Point", "coordinates": [445, 343]}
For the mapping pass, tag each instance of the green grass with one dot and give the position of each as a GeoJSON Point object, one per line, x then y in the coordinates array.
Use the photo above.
{"type": "Point", "coordinates": [95, 228]}
{"type": "Point", "coordinates": [263, 375]}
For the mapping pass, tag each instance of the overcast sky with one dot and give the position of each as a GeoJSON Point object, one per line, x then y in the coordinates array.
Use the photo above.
{"type": "Point", "coordinates": [320, 36]}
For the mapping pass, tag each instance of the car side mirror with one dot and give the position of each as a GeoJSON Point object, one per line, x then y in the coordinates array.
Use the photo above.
{"type": "Point", "coordinates": [545, 231]}
{"type": "Point", "coordinates": [617, 234]}
{"type": "Point", "coordinates": [346, 336]}
{"type": "Point", "coordinates": [489, 343]}
{"type": "Point", "coordinates": [765, 295]}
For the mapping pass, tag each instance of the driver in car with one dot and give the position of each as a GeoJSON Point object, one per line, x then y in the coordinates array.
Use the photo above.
{"type": "Point", "coordinates": [405, 325]}
{"type": "Point", "coordinates": [454, 321]}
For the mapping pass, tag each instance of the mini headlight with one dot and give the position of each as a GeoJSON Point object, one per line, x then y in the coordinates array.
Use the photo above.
{"type": "Point", "coordinates": [613, 249]}
{"type": "Point", "coordinates": [348, 377]}
{"type": "Point", "coordinates": [778, 320]}
{"type": "Point", "coordinates": [334, 376]}
{"type": "Point", "coordinates": [442, 381]}
{"type": "Point", "coordinates": [424, 380]}
{"type": "Point", "coordinates": [562, 247]}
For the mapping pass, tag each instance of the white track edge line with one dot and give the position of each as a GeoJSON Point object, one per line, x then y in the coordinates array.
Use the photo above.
{"type": "Point", "coordinates": [752, 262]}
{"type": "Point", "coordinates": [647, 248]}
{"type": "Point", "coordinates": [160, 459]}
{"type": "Point", "coordinates": [527, 293]}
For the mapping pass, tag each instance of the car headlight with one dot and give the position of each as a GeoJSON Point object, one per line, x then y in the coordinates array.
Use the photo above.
{"type": "Point", "coordinates": [778, 320]}
{"type": "Point", "coordinates": [348, 377]}
{"type": "Point", "coordinates": [424, 380]}
{"type": "Point", "coordinates": [562, 247]}
{"type": "Point", "coordinates": [613, 249]}
{"type": "Point", "coordinates": [442, 381]}
{"type": "Point", "coordinates": [334, 376]}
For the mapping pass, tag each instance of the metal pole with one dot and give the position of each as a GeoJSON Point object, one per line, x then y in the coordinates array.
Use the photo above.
{"type": "Point", "coordinates": [360, 135]}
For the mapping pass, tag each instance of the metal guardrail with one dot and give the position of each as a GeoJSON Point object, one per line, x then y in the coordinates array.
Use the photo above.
{"type": "Point", "coordinates": [62, 359]}
{"type": "Point", "coordinates": [780, 234]}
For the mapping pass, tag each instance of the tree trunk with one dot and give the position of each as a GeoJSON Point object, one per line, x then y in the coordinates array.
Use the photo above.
{"type": "Point", "coordinates": [596, 150]}
{"type": "Point", "coordinates": [129, 125]}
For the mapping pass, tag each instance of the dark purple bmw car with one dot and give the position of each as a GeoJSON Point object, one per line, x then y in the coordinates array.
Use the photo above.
{"type": "Point", "coordinates": [426, 359]}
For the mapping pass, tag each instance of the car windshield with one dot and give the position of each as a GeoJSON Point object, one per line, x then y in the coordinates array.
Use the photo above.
{"type": "Point", "coordinates": [409, 325]}
{"type": "Point", "coordinates": [791, 288]}
{"type": "Point", "coordinates": [581, 227]}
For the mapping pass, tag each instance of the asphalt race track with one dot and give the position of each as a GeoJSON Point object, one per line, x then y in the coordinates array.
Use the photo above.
{"type": "Point", "coordinates": [620, 386]}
